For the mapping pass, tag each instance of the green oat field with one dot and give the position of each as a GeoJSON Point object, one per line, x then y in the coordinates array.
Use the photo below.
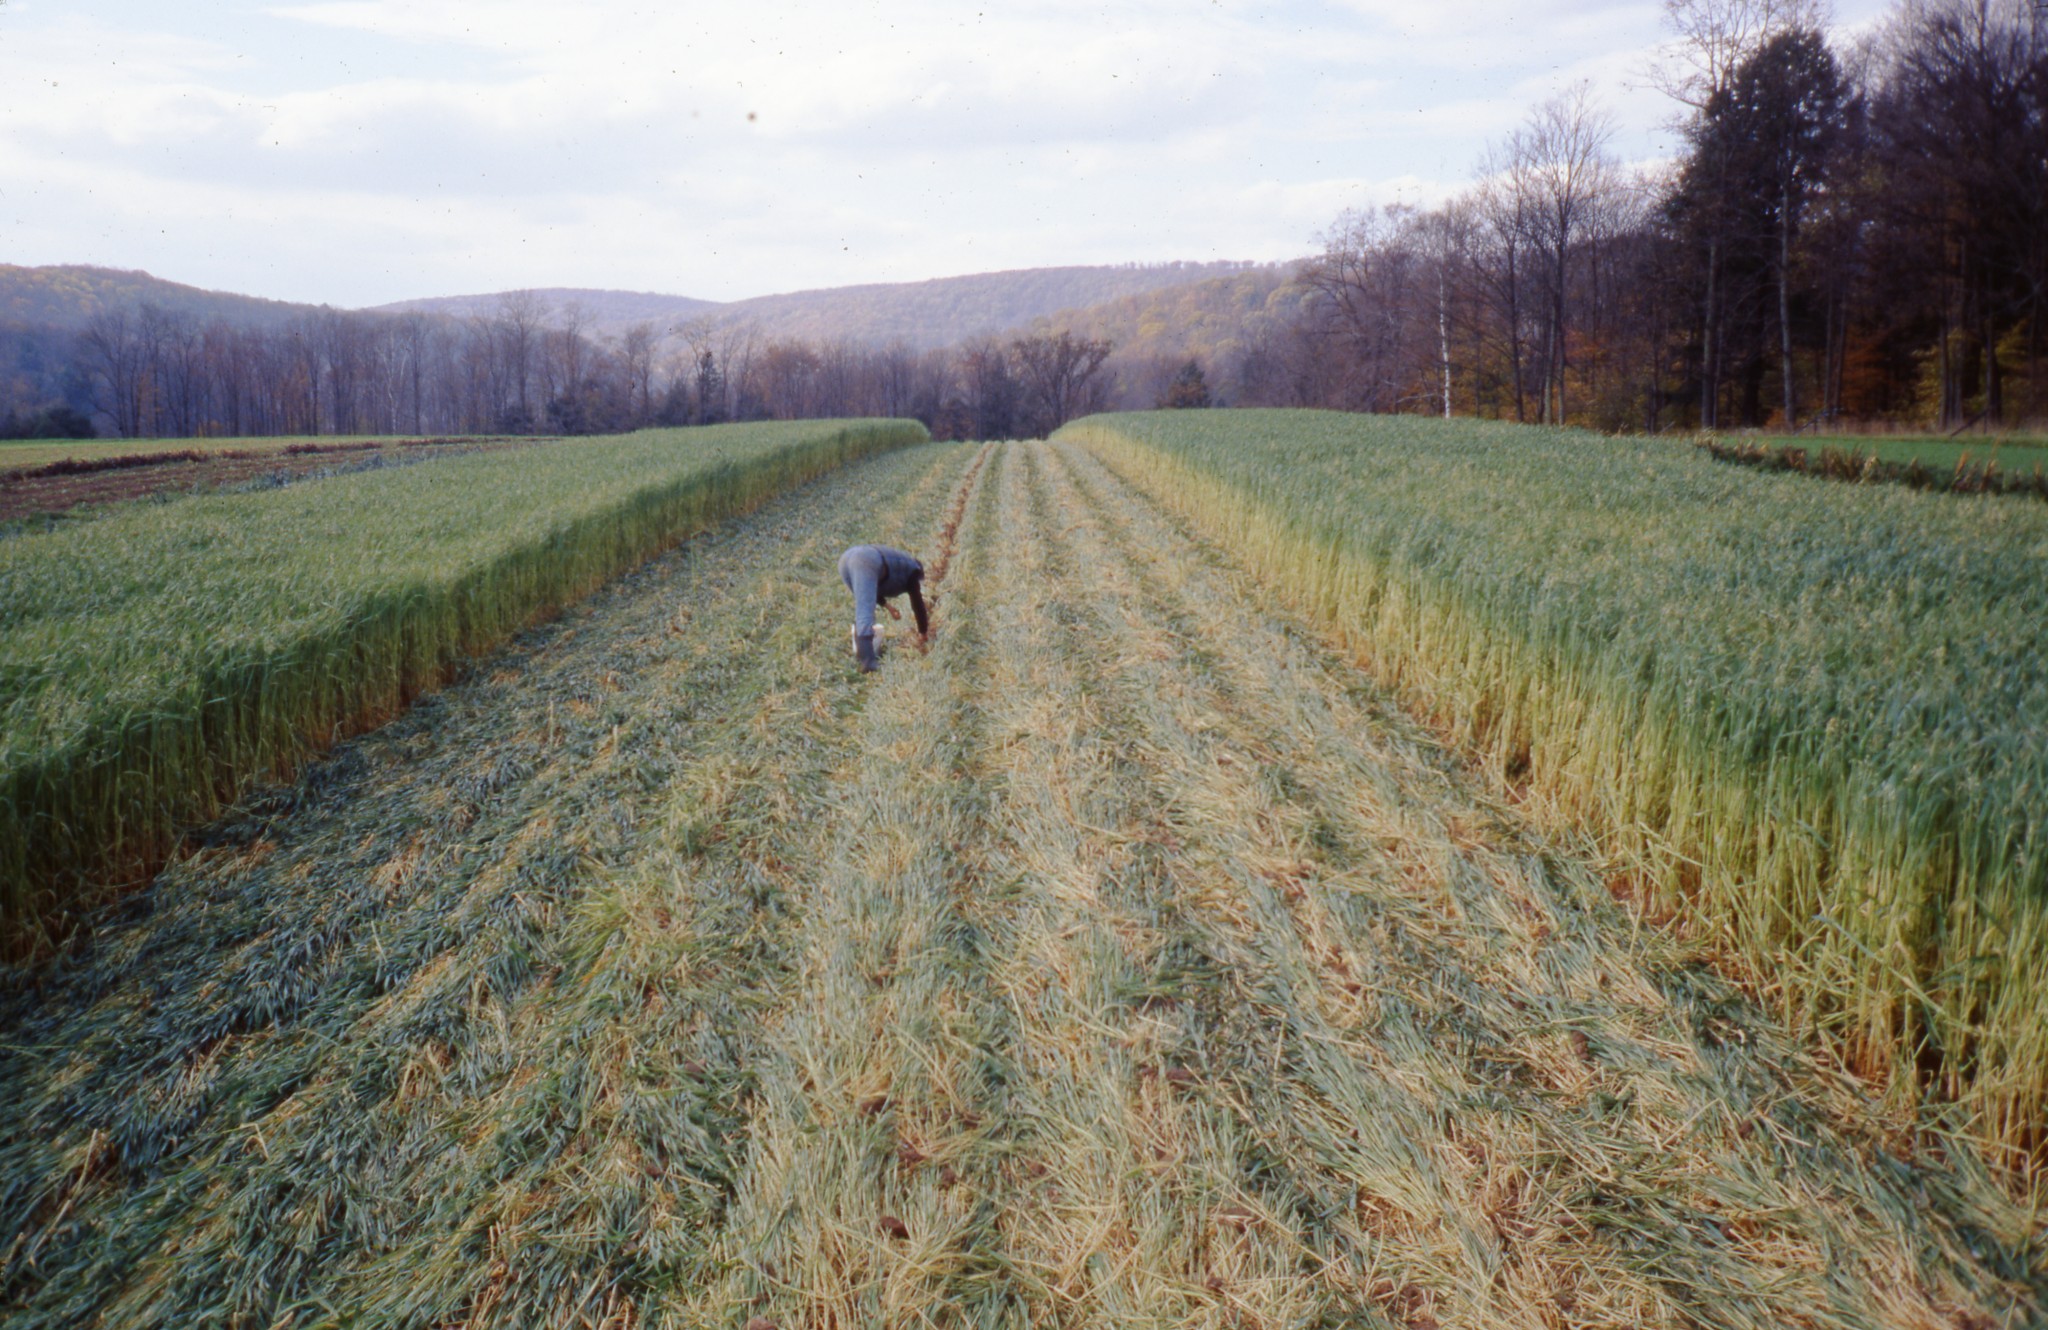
{"type": "Point", "coordinates": [1130, 954]}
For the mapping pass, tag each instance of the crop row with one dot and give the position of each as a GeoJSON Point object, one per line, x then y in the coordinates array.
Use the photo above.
{"type": "Point", "coordinates": [1806, 718]}
{"type": "Point", "coordinates": [152, 662]}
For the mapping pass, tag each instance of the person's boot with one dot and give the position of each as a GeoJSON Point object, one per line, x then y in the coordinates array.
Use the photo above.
{"type": "Point", "coordinates": [864, 651]}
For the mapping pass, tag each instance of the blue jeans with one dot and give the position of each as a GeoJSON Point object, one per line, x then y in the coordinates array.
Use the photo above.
{"type": "Point", "coordinates": [861, 569]}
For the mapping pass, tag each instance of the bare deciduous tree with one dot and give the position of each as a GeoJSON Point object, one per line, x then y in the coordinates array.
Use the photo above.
{"type": "Point", "coordinates": [1057, 372]}
{"type": "Point", "coordinates": [1714, 37]}
{"type": "Point", "coordinates": [1561, 156]}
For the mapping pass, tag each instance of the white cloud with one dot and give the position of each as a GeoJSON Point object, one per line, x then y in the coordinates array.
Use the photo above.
{"type": "Point", "coordinates": [358, 151]}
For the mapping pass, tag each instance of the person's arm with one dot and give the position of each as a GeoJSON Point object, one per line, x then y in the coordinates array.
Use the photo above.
{"type": "Point", "coordinates": [924, 627]}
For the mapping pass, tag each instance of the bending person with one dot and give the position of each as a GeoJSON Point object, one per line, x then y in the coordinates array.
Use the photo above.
{"type": "Point", "coordinates": [877, 574]}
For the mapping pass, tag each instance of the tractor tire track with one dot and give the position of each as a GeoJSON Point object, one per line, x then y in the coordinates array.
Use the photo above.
{"type": "Point", "coordinates": [949, 530]}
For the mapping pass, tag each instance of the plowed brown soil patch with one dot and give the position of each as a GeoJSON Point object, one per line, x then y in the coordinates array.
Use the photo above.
{"type": "Point", "coordinates": [63, 486]}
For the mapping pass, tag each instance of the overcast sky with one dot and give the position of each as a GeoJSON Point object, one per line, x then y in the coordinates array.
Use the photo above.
{"type": "Point", "coordinates": [354, 152]}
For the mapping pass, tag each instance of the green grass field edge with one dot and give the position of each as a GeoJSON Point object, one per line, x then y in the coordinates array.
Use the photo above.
{"type": "Point", "coordinates": [107, 809]}
{"type": "Point", "coordinates": [2012, 451]}
{"type": "Point", "coordinates": [1989, 467]}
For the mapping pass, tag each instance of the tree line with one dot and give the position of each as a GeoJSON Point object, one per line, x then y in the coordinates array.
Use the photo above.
{"type": "Point", "coordinates": [1848, 234]}
{"type": "Point", "coordinates": [524, 368]}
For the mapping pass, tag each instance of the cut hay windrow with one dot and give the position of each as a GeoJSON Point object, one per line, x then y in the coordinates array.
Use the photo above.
{"type": "Point", "coordinates": [1807, 719]}
{"type": "Point", "coordinates": [153, 664]}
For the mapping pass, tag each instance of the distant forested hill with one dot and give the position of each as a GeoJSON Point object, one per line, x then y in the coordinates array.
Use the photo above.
{"type": "Point", "coordinates": [42, 310]}
{"type": "Point", "coordinates": [68, 295]}
{"type": "Point", "coordinates": [1216, 322]}
{"type": "Point", "coordinates": [952, 309]}
{"type": "Point", "coordinates": [1204, 319]}
{"type": "Point", "coordinates": [921, 315]}
{"type": "Point", "coordinates": [178, 334]}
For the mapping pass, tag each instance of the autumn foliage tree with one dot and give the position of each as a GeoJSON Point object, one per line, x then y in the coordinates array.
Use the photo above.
{"type": "Point", "coordinates": [1189, 388]}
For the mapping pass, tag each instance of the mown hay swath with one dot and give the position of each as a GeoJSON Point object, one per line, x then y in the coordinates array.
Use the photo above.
{"type": "Point", "coordinates": [153, 662]}
{"type": "Point", "coordinates": [1807, 718]}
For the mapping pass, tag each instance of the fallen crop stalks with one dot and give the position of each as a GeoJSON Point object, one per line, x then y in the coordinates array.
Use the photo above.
{"type": "Point", "coordinates": [463, 1026]}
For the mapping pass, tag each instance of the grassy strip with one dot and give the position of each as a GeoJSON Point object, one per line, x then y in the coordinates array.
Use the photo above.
{"type": "Point", "coordinates": [1966, 475]}
{"type": "Point", "coordinates": [2013, 451]}
{"type": "Point", "coordinates": [1158, 1191]}
{"type": "Point", "coordinates": [462, 1028]}
{"type": "Point", "coordinates": [151, 664]}
{"type": "Point", "coordinates": [1811, 731]}
{"type": "Point", "coordinates": [877, 1094]}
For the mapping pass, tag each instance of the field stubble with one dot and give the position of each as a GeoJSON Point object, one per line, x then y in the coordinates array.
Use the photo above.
{"type": "Point", "coordinates": [17, 455]}
{"type": "Point", "coordinates": [1125, 959]}
{"type": "Point", "coordinates": [69, 490]}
